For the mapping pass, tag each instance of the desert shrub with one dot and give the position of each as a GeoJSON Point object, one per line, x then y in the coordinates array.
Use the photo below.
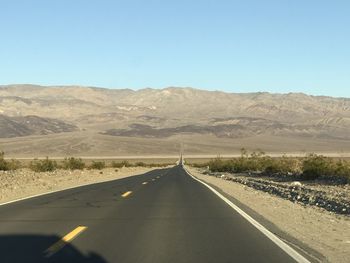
{"type": "Point", "coordinates": [72, 163]}
{"type": "Point", "coordinates": [13, 164]}
{"type": "Point", "coordinates": [219, 165]}
{"type": "Point", "coordinates": [257, 162]}
{"type": "Point", "coordinates": [272, 166]}
{"type": "Point", "coordinates": [121, 164]}
{"type": "Point", "coordinates": [97, 165]}
{"type": "Point", "coordinates": [316, 166]}
{"type": "Point", "coordinates": [199, 165]}
{"type": "Point", "coordinates": [141, 164]}
{"type": "Point", "coordinates": [284, 165]}
{"type": "Point", "coordinates": [309, 168]}
{"type": "Point", "coordinates": [245, 163]}
{"type": "Point", "coordinates": [3, 165]}
{"type": "Point", "coordinates": [291, 165]}
{"type": "Point", "coordinates": [342, 169]}
{"type": "Point", "coordinates": [116, 164]}
{"type": "Point", "coordinates": [159, 164]}
{"type": "Point", "coordinates": [45, 165]}
{"type": "Point", "coordinates": [254, 162]}
{"type": "Point", "coordinates": [126, 163]}
{"type": "Point", "coordinates": [3, 162]}
{"type": "Point", "coordinates": [216, 165]}
{"type": "Point", "coordinates": [8, 165]}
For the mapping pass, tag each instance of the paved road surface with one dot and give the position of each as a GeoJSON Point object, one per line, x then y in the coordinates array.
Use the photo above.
{"type": "Point", "coordinates": [161, 216]}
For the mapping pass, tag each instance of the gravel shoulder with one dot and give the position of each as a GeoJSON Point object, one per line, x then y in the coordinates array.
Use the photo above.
{"type": "Point", "coordinates": [325, 232]}
{"type": "Point", "coordinates": [24, 182]}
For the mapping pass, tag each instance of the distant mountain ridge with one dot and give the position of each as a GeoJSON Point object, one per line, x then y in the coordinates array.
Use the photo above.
{"type": "Point", "coordinates": [171, 111]}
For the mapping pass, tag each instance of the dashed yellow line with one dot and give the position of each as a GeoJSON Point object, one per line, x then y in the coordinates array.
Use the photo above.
{"type": "Point", "coordinates": [64, 241]}
{"type": "Point", "coordinates": [127, 193]}
{"type": "Point", "coordinates": [144, 183]}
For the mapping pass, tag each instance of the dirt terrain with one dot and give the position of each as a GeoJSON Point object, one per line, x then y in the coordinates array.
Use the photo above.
{"type": "Point", "coordinates": [326, 233]}
{"type": "Point", "coordinates": [88, 121]}
{"type": "Point", "coordinates": [88, 143]}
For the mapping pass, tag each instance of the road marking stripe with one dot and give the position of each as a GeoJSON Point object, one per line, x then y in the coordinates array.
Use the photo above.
{"type": "Point", "coordinates": [61, 190]}
{"type": "Point", "coordinates": [64, 241]}
{"type": "Point", "coordinates": [144, 183]}
{"type": "Point", "coordinates": [289, 250]}
{"type": "Point", "coordinates": [158, 177]}
{"type": "Point", "coordinates": [126, 193]}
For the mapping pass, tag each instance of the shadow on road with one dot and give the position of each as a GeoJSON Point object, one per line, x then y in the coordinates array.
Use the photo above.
{"type": "Point", "coordinates": [30, 248]}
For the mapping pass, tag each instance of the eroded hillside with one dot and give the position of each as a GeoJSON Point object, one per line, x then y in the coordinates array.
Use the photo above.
{"type": "Point", "coordinates": [166, 114]}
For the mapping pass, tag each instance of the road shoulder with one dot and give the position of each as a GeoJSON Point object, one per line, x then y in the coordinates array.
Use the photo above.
{"type": "Point", "coordinates": [319, 234]}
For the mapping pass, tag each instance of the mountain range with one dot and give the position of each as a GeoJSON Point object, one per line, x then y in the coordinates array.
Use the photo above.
{"type": "Point", "coordinates": [170, 115]}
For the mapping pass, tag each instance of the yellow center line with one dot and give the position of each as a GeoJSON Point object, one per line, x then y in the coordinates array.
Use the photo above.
{"type": "Point", "coordinates": [144, 183]}
{"type": "Point", "coordinates": [126, 193]}
{"type": "Point", "coordinates": [64, 241]}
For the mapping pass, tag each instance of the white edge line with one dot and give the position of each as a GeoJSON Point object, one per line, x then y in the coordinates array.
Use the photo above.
{"type": "Point", "coordinates": [290, 251]}
{"type": "Point", "coordinates": [55, 191]}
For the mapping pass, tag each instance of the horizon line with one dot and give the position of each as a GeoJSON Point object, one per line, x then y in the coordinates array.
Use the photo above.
{"type": "Point", "coordinates": [169, 87]}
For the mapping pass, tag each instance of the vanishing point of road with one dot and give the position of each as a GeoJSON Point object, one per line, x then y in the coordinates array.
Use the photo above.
{"type": "Point", "coordinates": [162, 216]}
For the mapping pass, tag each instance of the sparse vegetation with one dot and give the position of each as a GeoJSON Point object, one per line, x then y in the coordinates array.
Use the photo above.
{"type": "Point", "coordinates": [3, 163]}
{"type": "Point", "coordinates": [69, 163]}
{"type": "Point", "coordinates": [159, 164]}
{"type": "Point", "coordinates": [45, 165]}
{"type": "Point", "coordinates": [199, 165]}
{"type": "Point", "coordinates": [13, 165]}
{"type": "Point", "coordinates": [315, 166]}
{"type": "Point", "coordinates": [8, 165]}
{"type": "Point", "coordinates": [318, 166]}
{"type": "Point", "coordinates": [72, 163]}
{"type": "Point", "coordinates": [307, 168]}
{"type": "Point", "coordinates": [120, 164]}
{"type": "Point", "coordinates": [98, 165]}
{"type": "Point", "coordinates": [126, 163]}
{"type": "Point", "coordinates": [140, 164]}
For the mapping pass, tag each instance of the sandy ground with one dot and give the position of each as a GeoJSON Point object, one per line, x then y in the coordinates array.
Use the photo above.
{"type": "Point", "coordinates": [92, 144]}
{"type": "Point", "coordinates": [322, 231]}
{"type": "Point", "coordinates": [24, 182]}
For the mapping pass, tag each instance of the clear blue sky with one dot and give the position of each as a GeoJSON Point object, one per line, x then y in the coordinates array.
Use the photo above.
{"type": "Point", "coordinates": [236, 46]}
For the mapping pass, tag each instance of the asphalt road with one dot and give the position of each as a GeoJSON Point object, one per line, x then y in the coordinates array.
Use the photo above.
{"type": "Point", "coordinates": [161, 216]}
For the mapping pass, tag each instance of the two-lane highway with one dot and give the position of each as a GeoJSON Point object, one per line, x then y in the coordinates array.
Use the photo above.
{"type": "Point", "coordinates": [162, 216]}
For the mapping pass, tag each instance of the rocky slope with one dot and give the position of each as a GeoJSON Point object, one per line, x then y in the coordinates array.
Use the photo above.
{"type": "Point", "coordinates": [169, 112]}
{"type": "Point", "coordinates": [188, 103]}
{"type": "Point", "coordinates": [31, 125]}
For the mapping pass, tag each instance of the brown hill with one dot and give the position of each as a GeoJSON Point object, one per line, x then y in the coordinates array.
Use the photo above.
{"type": "Point", "coordinates": [171, 112]}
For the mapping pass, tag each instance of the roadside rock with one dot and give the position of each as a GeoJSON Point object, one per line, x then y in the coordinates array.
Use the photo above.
{"type": "Point", "coordinates": [333, 198]}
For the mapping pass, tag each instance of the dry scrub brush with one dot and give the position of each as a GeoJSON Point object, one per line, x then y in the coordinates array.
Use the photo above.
{"type": "Point", "coordinates": [72, 163]}
{"type": "Point", "coordinates": [45, 165]}
{"type": "Point", "coordinates": [8, 165]}
{"type": "Point", "coordinates": [308, 168]}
